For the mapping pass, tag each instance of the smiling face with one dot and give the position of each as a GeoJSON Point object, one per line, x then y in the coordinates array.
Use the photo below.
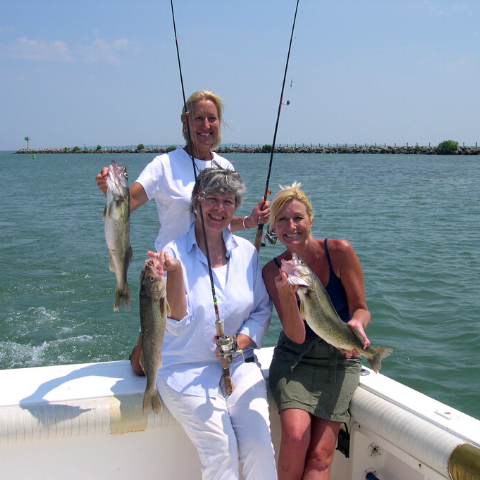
{"type": "Point", "coordinates": [218, 210]}
{"type": "Point", "coordinates": [292, 224]}
{"type": "Point", "coordinates": [204, 128]}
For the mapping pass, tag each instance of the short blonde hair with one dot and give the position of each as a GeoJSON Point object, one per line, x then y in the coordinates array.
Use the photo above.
{"type": "Point", "coordinates": [190, 103]}
{"type": "Point", "coordinates": [287, 194]}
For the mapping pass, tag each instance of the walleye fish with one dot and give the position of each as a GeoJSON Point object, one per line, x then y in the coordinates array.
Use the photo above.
{"type": "Point", "coordinates": [117, 231]}
{"type": "Point", "coordinates": [154, 310]}
{"type": "Point", "coordinates": [317, 309]}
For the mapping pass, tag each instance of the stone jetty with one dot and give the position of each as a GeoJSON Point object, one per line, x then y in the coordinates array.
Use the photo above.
{"type": "Point", "coordinates": [369, 149]}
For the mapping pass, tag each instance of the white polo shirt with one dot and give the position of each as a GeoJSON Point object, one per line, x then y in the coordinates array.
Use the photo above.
{"type": "Point", "coordinates": [169, 180]}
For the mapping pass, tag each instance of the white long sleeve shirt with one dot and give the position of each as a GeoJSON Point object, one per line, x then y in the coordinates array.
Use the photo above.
{"type": "Point", "coordinates": [188, 352]}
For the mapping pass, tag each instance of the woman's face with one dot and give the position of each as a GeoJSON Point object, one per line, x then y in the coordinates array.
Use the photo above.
{"type": "Point", "coordinates": [218, 210]}
{"type": "Point", "coordinates": [292, 224]}
{"type": "Point", "coordinates": [204, 126]}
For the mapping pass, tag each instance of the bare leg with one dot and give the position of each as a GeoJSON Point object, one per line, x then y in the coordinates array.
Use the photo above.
{"type": "Point", "coordinates": [296, 425]}
{"type": "Point", "coordinates": [321, 449]}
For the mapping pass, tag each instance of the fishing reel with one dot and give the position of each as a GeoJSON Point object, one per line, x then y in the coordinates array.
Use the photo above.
{"type": "Point", "coordinates": [270, 236]}
{"type": "Point", "coordinates": [228, 348]}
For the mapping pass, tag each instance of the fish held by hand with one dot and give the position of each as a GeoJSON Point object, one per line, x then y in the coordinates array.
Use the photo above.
{"type": "Point", "coordinates": [154, 310]}
{"type": "Point", "coordinates": [317, 310]}
{"type": "Point", "coordinates": [117, 231]}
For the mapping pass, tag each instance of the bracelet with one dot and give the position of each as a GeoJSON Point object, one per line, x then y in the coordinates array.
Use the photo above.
{"type": "Point", "coordinates": [244, 226]}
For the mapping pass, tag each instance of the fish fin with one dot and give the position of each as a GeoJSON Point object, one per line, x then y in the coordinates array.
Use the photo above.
{"type": "Point", "coordinates": [294, 280]}
{"type": "Point", "coordinates": [122, 299]}
{"type": "Point", "coordinates": [141, 358]}
{"type": "Point", "coordinates": [164, 306]}
{"type": "Point", "coordinates": [111, 265]}
{"type": "Point", "coordinates": [151, 402]}
{"type": "Point", "coordinates": [356, 333]}
{"type": "Point", "coordinates": [302, 310]}
{"type": "Point", "coordinates": [107, 211]}
{"type": "Point", "coordinates": [129, 255]}
{"type": "Point", "coordinates": [379, 353]}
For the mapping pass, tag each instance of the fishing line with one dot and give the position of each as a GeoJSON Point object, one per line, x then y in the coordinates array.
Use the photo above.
{"type": "Point", "coordinates": [210, 273]}
{"type": "Point", "coordinates": [225, 345]}
{"type": "Point", "coordinates": [258, 235]}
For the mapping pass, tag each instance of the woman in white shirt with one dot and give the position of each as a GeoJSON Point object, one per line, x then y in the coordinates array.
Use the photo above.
{"type": "Point", "coordinates": [169, 178]}
{"type": "Point", "coordinates": [228, 430]}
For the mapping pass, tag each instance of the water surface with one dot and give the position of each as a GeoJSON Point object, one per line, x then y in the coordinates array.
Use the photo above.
{"type": "Point", "coordinates": [413, 221]}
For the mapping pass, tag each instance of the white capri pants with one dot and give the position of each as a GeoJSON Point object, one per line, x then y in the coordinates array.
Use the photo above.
{"type": "Point", "coordinates": [227, 428]}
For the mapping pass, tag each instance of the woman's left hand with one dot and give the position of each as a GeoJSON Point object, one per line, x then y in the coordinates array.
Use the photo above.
{"type": "Point", "coordinates": [243, 342]}
{"type": "Point", "coordinates": [358, 326]}
{"type": "Point", "coordinates": [260, 214]}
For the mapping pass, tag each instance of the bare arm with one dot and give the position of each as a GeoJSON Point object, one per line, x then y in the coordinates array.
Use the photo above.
{"type": "Point", "coordinates": [137, 193]}
{"type": "Point", "coordinates": [260, 214]}
{"type": "Point", "coordinates": [285, 300]}
{"type": "Point", "coordinates": [347, 266]}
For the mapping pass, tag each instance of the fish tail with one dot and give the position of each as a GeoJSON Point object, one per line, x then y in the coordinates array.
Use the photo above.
{"type": "Point", "coordinates": [379, 353]}
{"type": "Point", "coordinates": [151, 402]}
{"type": "Point", "coordinates": [122, 299]}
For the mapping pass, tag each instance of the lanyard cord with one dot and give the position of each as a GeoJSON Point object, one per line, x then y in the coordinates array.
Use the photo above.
{"type": "Point", "coordinates": [218, 322]}
{"type": "Point", "coordinates": [258, 235]}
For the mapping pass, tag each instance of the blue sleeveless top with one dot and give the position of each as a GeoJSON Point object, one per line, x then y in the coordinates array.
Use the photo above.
{"type": "Point", "coordinates": [336, 293]}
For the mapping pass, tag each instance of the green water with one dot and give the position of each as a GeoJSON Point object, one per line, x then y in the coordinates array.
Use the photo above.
{"type": "Point", "coordinates": [413, 221]}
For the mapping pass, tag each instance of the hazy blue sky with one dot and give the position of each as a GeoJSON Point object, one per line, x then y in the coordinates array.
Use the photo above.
{"type": "Point", "coordinates": [105, 71]}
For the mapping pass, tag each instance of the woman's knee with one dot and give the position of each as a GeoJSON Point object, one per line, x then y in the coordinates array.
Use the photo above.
{"type": "Point", "coordinates": [295, 430]}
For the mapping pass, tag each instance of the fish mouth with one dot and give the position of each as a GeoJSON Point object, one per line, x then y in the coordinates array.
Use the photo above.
{"type": "Point", "coordinates": [117, 178]}
{"type": "Point", "coordinates": [293, 269]}
{"type": "Point", "coordinates": [154, 268]}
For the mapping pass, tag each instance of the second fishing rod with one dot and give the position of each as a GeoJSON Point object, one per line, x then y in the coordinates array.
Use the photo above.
{"type": "Point", "coordinates": [259, 233]}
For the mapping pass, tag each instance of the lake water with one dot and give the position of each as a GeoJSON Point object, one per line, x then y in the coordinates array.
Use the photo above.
{"type": "Point", "coordinates": [413, 221]}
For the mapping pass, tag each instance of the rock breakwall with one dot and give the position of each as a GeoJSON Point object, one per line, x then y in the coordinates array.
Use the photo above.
{"type": "Point", "coordinates": [380, 150]}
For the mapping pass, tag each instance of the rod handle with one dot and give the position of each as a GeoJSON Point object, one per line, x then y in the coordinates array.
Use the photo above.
{"type": "Point", "coordinates": [258, 237]}
{"type": "Point", "coordinates": [226, 376]}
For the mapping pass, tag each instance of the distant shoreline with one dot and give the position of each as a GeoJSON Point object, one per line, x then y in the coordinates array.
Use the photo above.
{"type": "Point", "coordinates": [392, 150]}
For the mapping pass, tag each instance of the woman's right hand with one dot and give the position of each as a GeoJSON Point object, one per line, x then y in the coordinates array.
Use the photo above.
{"type": "Point", "coordinates": [164, 261]}
{"type": "Point", "coordinates": [283, 287]}
{"type": "Point", "coordinates": [101, 179]}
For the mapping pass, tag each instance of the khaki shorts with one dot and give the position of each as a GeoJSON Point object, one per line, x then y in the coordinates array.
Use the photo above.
{"type": "Point", "coordinates": [314, 377]}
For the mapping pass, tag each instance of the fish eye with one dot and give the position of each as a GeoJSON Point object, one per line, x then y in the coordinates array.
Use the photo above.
{"type": "Point", "coordinates": [151, 278]}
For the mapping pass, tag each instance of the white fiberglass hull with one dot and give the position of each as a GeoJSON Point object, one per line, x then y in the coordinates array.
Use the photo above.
{"type": "Point", "coordinates": [85, 421]}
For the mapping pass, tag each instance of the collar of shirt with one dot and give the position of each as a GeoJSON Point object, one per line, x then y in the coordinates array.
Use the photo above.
{"type": "Point", "coordinates": [228, 238]}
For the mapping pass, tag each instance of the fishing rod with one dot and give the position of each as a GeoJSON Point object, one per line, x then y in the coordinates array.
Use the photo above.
{"type": "Point", "coordinates": [226, 346]}
{"type": "Point", "coordinates": [259, 233]}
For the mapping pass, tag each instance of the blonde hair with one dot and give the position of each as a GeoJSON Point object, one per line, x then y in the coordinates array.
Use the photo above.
{"type": "Point", "coordinates": [287, 194]}
{"type": "Point", "coordinates": [190, 103]}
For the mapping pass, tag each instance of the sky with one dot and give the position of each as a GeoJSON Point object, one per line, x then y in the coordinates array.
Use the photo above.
{"type": "Point", "coordinates": [105, 72]}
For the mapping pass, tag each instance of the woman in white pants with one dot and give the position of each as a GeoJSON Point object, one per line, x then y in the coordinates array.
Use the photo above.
{"type": "Point", "coordinates": [230, 431]}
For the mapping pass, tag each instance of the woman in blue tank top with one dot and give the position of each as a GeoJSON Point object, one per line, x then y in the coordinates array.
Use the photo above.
{"type": "Point", "coordinates": [312, 382]}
